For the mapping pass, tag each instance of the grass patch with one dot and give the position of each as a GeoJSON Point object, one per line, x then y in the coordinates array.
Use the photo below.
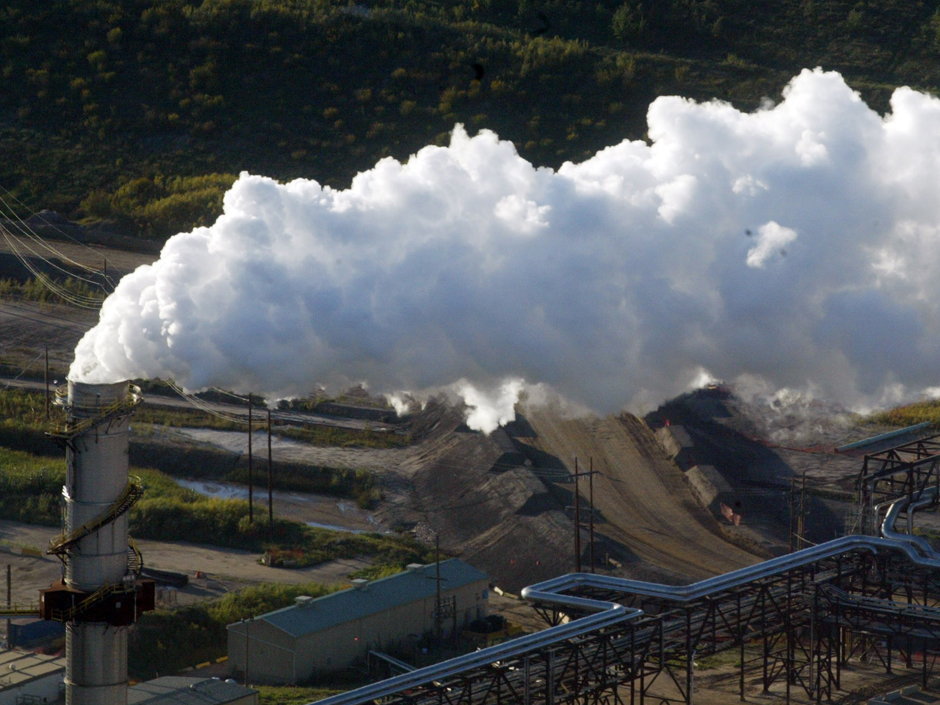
{"type": "Point", "coordinates": [23, 422]}
{"type": "Point", "coordinates": [287, 695]}
{"type": "Point", "coordinates": [31, 491]}
{"type": "Point", "coordinates": [34, 290]}
{"type": "Point", "coordinates": [911, 414]}
{"type": "Point", "coordinates": [30, 487]}
{"type": "Point", "coordinates": [376, 572]}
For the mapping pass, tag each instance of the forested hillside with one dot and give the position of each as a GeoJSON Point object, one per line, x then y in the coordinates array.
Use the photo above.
{"type": "Point", "coordinates": [141, 111]}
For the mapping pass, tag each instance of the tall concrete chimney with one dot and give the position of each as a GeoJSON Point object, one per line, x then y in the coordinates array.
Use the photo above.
{"type": "Point", "coordinates": [101, 594]}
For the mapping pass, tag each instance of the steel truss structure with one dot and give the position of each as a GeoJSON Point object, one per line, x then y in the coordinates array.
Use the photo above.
{"type": "Point", "coordinates": [904, 471]}
{"type": "Point", "coordinates": [612, 641]}
{"type": "Point", "coordinates": [616, 641]}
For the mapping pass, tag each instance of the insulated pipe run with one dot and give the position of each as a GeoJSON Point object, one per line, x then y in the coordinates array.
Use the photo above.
{"type": "Point", "coordinates": [551, 591]}
{"type": "Point", "coordinates": [927, 497]}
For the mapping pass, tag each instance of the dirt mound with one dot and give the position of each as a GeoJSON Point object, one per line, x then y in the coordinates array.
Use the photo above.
{"type": "Point", "coordinates": [644, 506]}
{"type": "Point", "coordinates": [504, 502]}
{"type": "Point", "coordinates": [502, 520]}
{"type": "Point", "coordinates": [762, 446]}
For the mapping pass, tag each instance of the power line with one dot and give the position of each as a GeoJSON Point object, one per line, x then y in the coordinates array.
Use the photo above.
{"type": "Point", "coordinates": [63, 234]}
{"type": "Point", "coordinates": [23, 371]}
{"type": "Point", "coordinates": [40, 321]}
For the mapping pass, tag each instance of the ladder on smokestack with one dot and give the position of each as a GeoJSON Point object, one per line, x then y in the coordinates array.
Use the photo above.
{"type": "Point", "coordinates": [135, 560]}
{"type": "Point", "coordinates": [60, 545]}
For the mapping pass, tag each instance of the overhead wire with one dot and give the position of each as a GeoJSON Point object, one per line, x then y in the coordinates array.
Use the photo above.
{"type": "Point", "coordinates": [23, 240]}
{"type": "Point", "coordinates": [26, 232]}
{"type": "Point", "coordinates": [229, 394]}
{"type": "Point", "coordinates": [42, 322]}
{"type": "Point", "coordinates": [61, 232]}
{"type": "Point", "coordinates": [79, 300]}
{"type": "Point", "coordinates": [204, 406]}
{"type": "Point", "coordinates": [7, 385]}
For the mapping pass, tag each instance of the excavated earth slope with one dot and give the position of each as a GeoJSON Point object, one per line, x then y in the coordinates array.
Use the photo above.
{"type": "Point", "coordinates": [503, 502]}
{"type": "Point", "coordinates": [641, 495]}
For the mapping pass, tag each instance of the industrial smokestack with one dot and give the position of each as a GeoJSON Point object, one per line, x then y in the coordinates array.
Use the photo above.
{"type": "Point", "coordinates": [100, 596]}
{"type": "Point", "coordinates": [97, 476]}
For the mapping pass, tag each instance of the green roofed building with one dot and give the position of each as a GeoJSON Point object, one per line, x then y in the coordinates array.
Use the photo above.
{"type": "Point", "coordinates": [314, 636]}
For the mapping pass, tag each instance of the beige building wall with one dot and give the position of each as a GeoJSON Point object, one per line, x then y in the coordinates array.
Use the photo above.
{"type": "Point", "coordinates": [46, 689]}
{"type": "Point", "coordinates": [271, 652]}
{"type": "Point", "coordinates": [276, 657]}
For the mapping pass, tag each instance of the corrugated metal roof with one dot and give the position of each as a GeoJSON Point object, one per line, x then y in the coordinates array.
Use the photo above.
{"type": "Point", "coordinates": [20, 667]}
{"type": "Point", "coordinates": [377, 596]}
{"type": "Point", "coordinates": [180, 690]}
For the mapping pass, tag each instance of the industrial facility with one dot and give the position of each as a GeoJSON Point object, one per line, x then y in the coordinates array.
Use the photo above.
{"type": "Point", "coordinates": [332, 632]}
{"type": "Point", "coordinates": [28, 678]}
{"type": "Point", "coordinates": [796, 620]}
{"type": "Point", "coordinates": [101, 593]}
{"type": "Point", "coordinates": [181, 690]}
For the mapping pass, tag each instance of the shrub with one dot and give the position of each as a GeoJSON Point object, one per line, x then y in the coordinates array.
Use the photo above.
{"type": "Point", "coordinates": [162, 206]}
{"type": "Point", "coordinates": [166, 642]}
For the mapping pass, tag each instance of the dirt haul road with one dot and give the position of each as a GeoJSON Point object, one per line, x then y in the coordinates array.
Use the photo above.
{"type": "Point", "coordinates": [640, 494]}
{"type": "Point", "coordinates": [222, 569]}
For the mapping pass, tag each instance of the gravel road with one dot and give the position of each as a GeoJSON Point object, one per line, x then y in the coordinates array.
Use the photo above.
{"type": "Point", "coordinates": [225, 569]}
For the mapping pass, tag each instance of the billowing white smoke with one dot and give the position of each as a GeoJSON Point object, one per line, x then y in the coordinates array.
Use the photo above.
{"type": "Point", "coordinates": [799, 243]}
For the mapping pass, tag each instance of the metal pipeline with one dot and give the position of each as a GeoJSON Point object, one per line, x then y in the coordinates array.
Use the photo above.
{"type": "Point", "coordinates": [927, 497]}
{"type": "Point", "coordinates": [606, 614]}
{"type": "Point", "coordinates": [609, 613]}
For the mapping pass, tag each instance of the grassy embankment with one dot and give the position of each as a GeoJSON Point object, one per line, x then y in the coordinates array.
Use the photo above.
{"type": "Point", "coordinates": [911, 414]}
{"type": "Point", "coordinates": [143, 111]}
{"type": "Point", "coordinates": [274, 695]}
{"type": "Point", "coordinates": [30, 490]}
{"type": "Point", "coordinates": [34, 290]}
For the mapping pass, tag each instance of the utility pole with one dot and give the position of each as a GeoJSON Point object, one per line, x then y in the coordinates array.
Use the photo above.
{"type": "Point", "coordinates": [251, 515]}
{"type": "Point", "coordinates": [577, 519]}
{"type": "Point", "coordinates": [790, 505]}
{"type": "Point", "coordinates": [46, 377]}
{"type": "Point", "coordinates": [577, 513]}
{"type": "Point", "coordinates": [270, 480]}
{"type": "Point", "coordinates": [591, 499]}
{"type": "Point", "coordinates": [437, 611]}
{"type": "Point", "coordinates": [802, 529]}
{"type": "Point", "coordinates": [9, 602]}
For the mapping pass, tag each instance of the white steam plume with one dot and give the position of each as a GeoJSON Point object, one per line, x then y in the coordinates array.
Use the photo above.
{"type": "Point", "coordinates": [799, 243]}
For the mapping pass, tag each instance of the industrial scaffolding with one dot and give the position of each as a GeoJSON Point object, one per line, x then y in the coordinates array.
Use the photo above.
{"type": "Point", "coordinates": [612, 641]}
